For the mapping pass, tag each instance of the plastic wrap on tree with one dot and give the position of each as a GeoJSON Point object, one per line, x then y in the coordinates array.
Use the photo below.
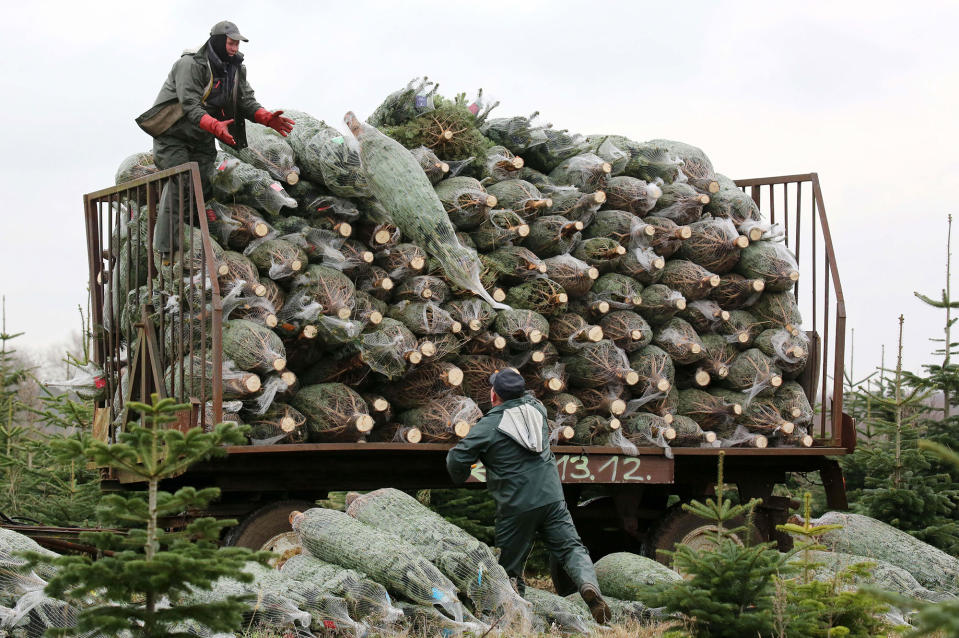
{"type": "Point", "coordinates": [559, 145]}
{"type": "Point", "coordinates": [401, 261]}
{"type": "Point", "coordinates": [741, 328]}
{"type": "Point", "coordinates": [429, 621]}
{"type": "Point", "coordinates": [574, 275]}
{"type": "Point", "coordinates": [236, 225]}
{"type": "Point", "coordinates": [655, 368]}
{"type": "Point", "coordinates": [680, 341]}
{"type": "Point", "coordinates": [753, 373]}
{"type": "Point", "coordinates": [599, 363]}
{"type": "Point", "coordinates": [523, 329]}
{"type": "Point", "coordinates": [389, 349]}
{"type": "Point", "coordinates": [735, 291]}
{"type": "Point", "coordinates": [732, 203]}
{"type": "Point", "coordinates": [552, 235]}
{"type": "Point", "coordinates": [587, 172]}
{"type": "Point", "coordinates": [423, 383]}
{"type": "Point", "coordinates": [556, 610]}
{"type": "Point", "coordinates": [338, 538]}
{"type": "Point", "coordinates": [280, 423]}
{"type": "Point", "coordinates": [239, 274]}
{"type": "Point", "coordinates": [704, 315]}
{"type": "Point", "coordinates": [642, 264]}
{"type": "Point", "coordinates": [278, 259]}
{"type": "Point", "coordinates": [253, 347]}
{"type": "Point", "coordinates": [435, 168]}
{"type": "Point", "coordinates": [569, 331]}
{"type": "Point", "coordinates": [772, 262]}
{"type": "Point", "coordinates": [474, 314]}
{"type": "Point", "coordinates": [367, 600]}
{"type": "Point", "coordinates": [631, 194]}
{"type": "Point", "coordinates": [424, 317]}
{"type": "Point", "coordinates": [711, 412]}
{"type": "Point", "coordinates": [630, 576]}
{"type": "Point", "coordinates": [134, 167]}
{"type": "Point", "coordinates": [444, 419]}
{"type": "Point", "coordinates": [515, 264]}
{"type": "Point", "coordinates": [470, 564]}
{"type": "Point", "coordinates": [399, 184]}
{"type": "Point", "coordinates": [450, 130]}
{"type": "Point", "coordinates": [269, 602]}
{"type": "Point", "coordinates": [421, 288]}
{"type": "Point", "coordinates": [606, 147]}
{"type": "Point", "coordinates": [779, 309]}
{"type": "Point", "coordinates": [696, 166]}
{"type": "Point", "coordinates": [561, 405]}
{"type": "Point", "coordinates": [690, 434]}
{"type": "Point", "coordinates": [465, 201]}
{"type": "Point", "coordinates": [600, 252]}
{"type": "Point", "coordinates": [328, 287]}
{"type": "Point", "coordinates": [521, 197]}
{"type": "Point", "coordinates": [574, 205]}
{"type": "Point", "coordinates": [501, 164]}
{"type": "Point", "coordinates": [619, 225]}
{"type": "Point", "coordinates": [714, 244]}
{"type": "Point", "coordinates": [649, 161]}
{"type": "Point", "coordinates": [502, 227]}
{"type": "Point", "coordinates": [793, 404]}
{"type": "Point", "coordinates": [662, 235]}
{"type": "Point", "coordinates": [269, 151]}
{"type": "Point", "coordinates": [542, 295]}
{"type": "Point", "coordinates": [400, 106]}
{"type": "Point", "coordinates": [645, 429]}
{"type": "Point", "coordinates": [620, 291]}
{"type": "Point", "coordinates": [680, 203]}
{"type": "Point", "coordinates": [234, 180]}
{"type": "Point", "coordinates": [334, 412]}
{"type": "Point", "coordinates": [661, 303]}
{"type": "Point", "coordinates": [692, 280]}
{"type": "Point", "coordinates": [519, 134]}
{"type": "Point", "coordinates": [626, 329]}
{"type": "Point", "coordinates": [195, 373]}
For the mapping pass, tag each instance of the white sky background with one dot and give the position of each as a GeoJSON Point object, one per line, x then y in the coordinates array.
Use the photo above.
{"type": "Point", "coordinates": [864, 93]}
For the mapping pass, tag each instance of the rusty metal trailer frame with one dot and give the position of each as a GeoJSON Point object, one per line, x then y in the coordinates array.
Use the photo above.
{"type": "Point", "coordinates": [135, 366]}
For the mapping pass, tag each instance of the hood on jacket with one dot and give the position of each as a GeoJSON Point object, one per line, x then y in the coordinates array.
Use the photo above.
{"type": "Point", "coordinates": [524, 424]}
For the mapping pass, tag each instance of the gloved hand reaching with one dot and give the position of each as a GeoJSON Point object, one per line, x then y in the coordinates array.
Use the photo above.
{"type": "Point", "coordinates": [274, 120]}
{"type": "Point", "coordinates": [217, 128]}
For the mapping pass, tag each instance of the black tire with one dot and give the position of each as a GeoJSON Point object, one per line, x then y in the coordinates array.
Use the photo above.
{"type": "Point", "coordinates": [681, 527]}
{"type": "Point", "coordinates": [264, 524]}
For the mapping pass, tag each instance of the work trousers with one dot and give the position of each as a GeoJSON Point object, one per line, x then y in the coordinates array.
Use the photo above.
{"type": "Point", "coordinates": [171, 150]}
{"type": "Point", "coordinates": [514, 537]}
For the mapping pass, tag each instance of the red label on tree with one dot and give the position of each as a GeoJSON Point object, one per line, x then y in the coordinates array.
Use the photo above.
{"type": "Point", "coordinates": [276, 186]}
{"type": "Point", "coordinates": [222, 166]}
{"type": "Point", "coordinates": [329, 624]}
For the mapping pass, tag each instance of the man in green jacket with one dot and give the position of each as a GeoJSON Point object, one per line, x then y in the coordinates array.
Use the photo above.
{"type": "Point", "coordinates": [512, 441]}
{"type": "Point", "coordinates": [205, 96]}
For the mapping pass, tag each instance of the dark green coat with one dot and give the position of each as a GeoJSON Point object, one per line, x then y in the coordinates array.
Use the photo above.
{"type": "Point", "coordinates": [518, 479]}
{"type": "Point", "coordinates": [183, 97]}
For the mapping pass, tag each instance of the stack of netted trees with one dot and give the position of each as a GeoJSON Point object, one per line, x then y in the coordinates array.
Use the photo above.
{"type": "Point", "coordinates": [370, 290]}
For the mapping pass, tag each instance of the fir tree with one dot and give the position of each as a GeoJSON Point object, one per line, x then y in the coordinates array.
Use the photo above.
{"type": "Point", "coordinates": [729, 588]}
{"type": "Point", "coordinates": [142, 574]}
{"type": "Point", "coordinates": [901, 484]}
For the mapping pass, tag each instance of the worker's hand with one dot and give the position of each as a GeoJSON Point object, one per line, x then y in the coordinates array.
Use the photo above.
{"type": "Point", "coordinates": [217, 128]}
{"type": "Point", "coordinates": [274, 120]}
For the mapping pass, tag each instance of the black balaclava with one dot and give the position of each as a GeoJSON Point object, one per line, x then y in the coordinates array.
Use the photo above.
{"type": "Point", "coordinates": [218, 44]}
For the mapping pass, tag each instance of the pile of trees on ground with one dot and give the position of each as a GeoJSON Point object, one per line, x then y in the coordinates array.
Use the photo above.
{"type": "Point", "coordinates": [372, 283]}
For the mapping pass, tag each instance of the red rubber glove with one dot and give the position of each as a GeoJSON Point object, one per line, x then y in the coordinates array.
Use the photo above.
{"type": "Point", "coordinates": [217, 128]}
{"type": "Point", "coordinates": [274, 120]}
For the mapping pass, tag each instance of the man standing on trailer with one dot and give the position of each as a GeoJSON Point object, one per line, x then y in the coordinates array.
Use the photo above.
{"type": "Point", "coordinates": [205, 96]}
{"type": "Point", "coordinates": [512, 441]}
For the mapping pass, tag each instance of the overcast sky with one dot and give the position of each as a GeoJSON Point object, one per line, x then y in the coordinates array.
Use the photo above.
{"type": "Point", "coordinates": [864, 93]}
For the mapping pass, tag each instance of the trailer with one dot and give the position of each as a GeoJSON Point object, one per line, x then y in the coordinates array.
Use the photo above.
{"type": "Point", "coordinates": [619, 502]}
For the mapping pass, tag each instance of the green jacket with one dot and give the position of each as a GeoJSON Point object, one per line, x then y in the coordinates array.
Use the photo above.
{"type": "Point", "coordinates": [518, 478]}
{"type": "Point", "coordinates": [183, 97]}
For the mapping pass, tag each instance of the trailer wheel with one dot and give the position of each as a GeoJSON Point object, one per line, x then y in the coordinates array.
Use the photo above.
{"type": "Point", "coordinates": [679, 527]}
{"type": "Point", "coordinates": [268, 528]}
